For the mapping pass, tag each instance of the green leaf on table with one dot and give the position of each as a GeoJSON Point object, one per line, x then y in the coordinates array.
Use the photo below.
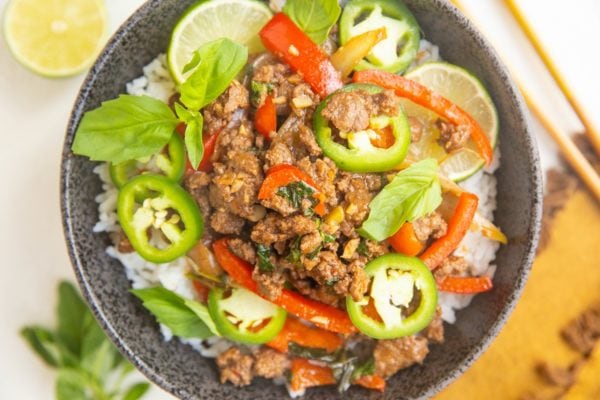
{"type": "Point", "coordinates": [42, 341]}
{"type": "Point", "coordinates": [74, 384]}
{"type": "Point", "coordinates": [216, 64]}
{"type": "Point", "coordinates": [314, 17]}
{"type": "Point", "coordinates": [126, 128]}
{"type": "Point", "coordinates": [71, 312]}
{"type": "Point", "coordinates": [97, 353]}
{"type": "Point", "coordinates": [413, 193]}
{"type": "Point", "coordinates": [136, 391]}
{"type": "Point", "coordinates": [171, 310]}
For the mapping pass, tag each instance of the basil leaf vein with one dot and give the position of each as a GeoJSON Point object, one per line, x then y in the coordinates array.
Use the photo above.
{"type": "Point", "coordinates": [314, 17]}
{"type": "Point", "coordinates": [413, 193]}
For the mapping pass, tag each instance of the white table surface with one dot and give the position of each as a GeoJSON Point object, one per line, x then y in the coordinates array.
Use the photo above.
{"type": "Point", "coordinates": [33, 118]}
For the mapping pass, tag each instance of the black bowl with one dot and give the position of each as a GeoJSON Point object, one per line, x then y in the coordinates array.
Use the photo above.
{"type": "Point", "coordinates": [184, 372]}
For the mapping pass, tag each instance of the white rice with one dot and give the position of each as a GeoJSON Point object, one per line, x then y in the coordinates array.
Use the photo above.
{"type": "Point", "coordinates": [156, 82]}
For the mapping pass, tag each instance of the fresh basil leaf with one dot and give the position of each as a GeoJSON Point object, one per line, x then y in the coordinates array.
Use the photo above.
{"type": "Point", "coordinates": [362, 248]}
{"type": "Point", "coordinates": [193, 141]}
{"type": "Point", "coordinates": [170, 309]}
{"type": "Point", "coordinates": [264, 258]}
{"type": "Point", "coordinates": [74, 384]}
{"type": "Point", "coordinates": [295, 254]}
{"type": "Point", "coordinates": [201, 312]}
{"type": "Point", "coordinates": [193, 133]}
{"type": "Point", "coordinates": [314, 17]}
{"type": "Point", "coordinates": [71, 313]}
{"type": "Point", "coordinates": [313, 353]}
{"type": "Point", "coordinates": [413, 193]}
{"type": "Point", "coordinates": [42, 342]}
{"type": "Point", "coordinates": [126, 128]}
{"type": "Point", "coordinates": [192, 64]}
{"type": "Point", "coordinates": [219, 63]}
{"type": "Point", "coordinates": [136, 391]}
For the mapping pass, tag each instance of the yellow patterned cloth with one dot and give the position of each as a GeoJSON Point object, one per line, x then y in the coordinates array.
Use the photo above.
{"type": "Point", "coordinates": [564, 281]}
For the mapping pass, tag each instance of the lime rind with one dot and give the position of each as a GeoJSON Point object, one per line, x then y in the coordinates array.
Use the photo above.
{"type": "Point", "coordinates": [472, 97]}
{"type": "Point", "coordinates": [238, 20]}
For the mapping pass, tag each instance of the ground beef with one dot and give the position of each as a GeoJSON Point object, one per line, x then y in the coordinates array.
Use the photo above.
{"type": "Point", "coordinates": [583, 333]}
{"type": "Point", "coordinates": [430, 226]}
{"type": "Point", "coordinates": [196, 184]}
{"type": "Point", "coordinates": [310, 242]}
{"type": "Point", "coordinates": [323, 172]}
{"type": "Point", "coordinates": [452, 137]}
{"type": "Point", "coordinates": [357, 281]}
{"type": "Point", "coordinates": [235, 185]}
{"type": "Point", "coordinates": [279, 204]}
{"type": "Point", "coordinates": [243, 249]}
{"type": "Point", "coordinates": [280, 81]}
{"type": "Point", "coordinates": [278, 153]}
{"type": "Point", "coordinates": [270, 363]}
{"type": "Point", "coordinates": [235, 367]}
{"type": "Point", "coordinates": [226, 223]}
{"type": "Point", "coordinates": [357, 190]}
{"type": "Point", "coordinates": [275, 228]}
{"type": "Point", "coordinates": [385, 103]}
{"type": "Point", "coordinates": [376, 249]}
{"type": "Point", "coordinates": [308, 287]}
{"type": "Point", "coordinates": [269, 283]}
{"type": "Point", "coordinates": [303, 99]}
{"type": "Point", "coordinates": [435, 330]}
{"type": "Point", "coordinates": [396, 354]}
{"type": "Point", "coordinates": [220, 112]}
{"type": "Point", "coordinates": [349, 111]}
{"type": "Point", "coordinates": [307, 137]}
{"type": "Point", "coordinates": [232, 140]}
{"type": "Point", "coordinates": [239, 368]}
{"type": "Point", "coordinates": [451, 266]}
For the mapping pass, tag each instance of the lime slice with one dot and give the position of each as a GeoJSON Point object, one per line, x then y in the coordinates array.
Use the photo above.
{"type": "Point", "coordinates": [55, 38]}
{"type": "Point", "coordinates": [238, 20]}
{"type": "Point", "coordinates": [464, 89]}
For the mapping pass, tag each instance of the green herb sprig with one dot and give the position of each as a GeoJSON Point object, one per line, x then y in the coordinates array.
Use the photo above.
{"type": "Point", "coordinates": [133, 127]}
{"type": "Point", "coordinates": [89, 366]}
{"type": "Point", "coordinates": [413, 193]}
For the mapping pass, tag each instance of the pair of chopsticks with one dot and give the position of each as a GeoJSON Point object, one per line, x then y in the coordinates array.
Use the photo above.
{"type": "Point", "coordinates": [569, 150]}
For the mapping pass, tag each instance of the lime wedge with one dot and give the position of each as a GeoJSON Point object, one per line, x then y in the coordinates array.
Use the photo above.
{"type": "Point", "coordinates": [238, 20]}
{"type": "Point", "coordinates": [464, 89]}
{"type": "Point", "coordinates": [55, 38]}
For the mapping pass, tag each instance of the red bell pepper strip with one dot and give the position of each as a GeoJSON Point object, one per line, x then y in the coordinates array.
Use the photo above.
{"type": "Point", "coordinates": [201, 290]}
{"type": "Point", "coordinates": [295, 331]}
{"type": "Point", "coordinates": [284, 39]}
{"type": "Point", "coordinates": [425, 97]}
{"type": "Point", "coordinates": [374, 382]}
{"type": "Point", "coordinates": [325, 316]}
{"type": "Point", "coordinates": [457, 228]}
{"type": "Point", "coordinates": [265, 119]}
{"type": "Point", "coordinates": [284, 174]}
{"type": "Point", "coordinates": [210, 143]}
{"type": "Point", "coordinates": [305, 375]}
{"type": "Point", "coordinates": [405, 241]}
{"type": "Point", "coordinates": [465, 285]}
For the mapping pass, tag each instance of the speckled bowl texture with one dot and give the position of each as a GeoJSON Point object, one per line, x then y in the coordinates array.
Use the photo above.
{"type": "Point", "coordinates": [186, 374]}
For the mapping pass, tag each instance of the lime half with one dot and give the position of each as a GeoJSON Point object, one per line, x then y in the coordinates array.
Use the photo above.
{"type": "Point", "coordinates": [238, 20]}
{"type": "Point", "coordinates": [55, 38]}
{"type": "Point", "coordinates": [465, 90]}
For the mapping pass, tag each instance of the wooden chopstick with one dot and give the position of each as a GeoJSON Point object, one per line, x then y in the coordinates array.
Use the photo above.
{"type": "Point", "coordinates": [574, 157]}
{"type": "Point", "coordinates": [591, 130]}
